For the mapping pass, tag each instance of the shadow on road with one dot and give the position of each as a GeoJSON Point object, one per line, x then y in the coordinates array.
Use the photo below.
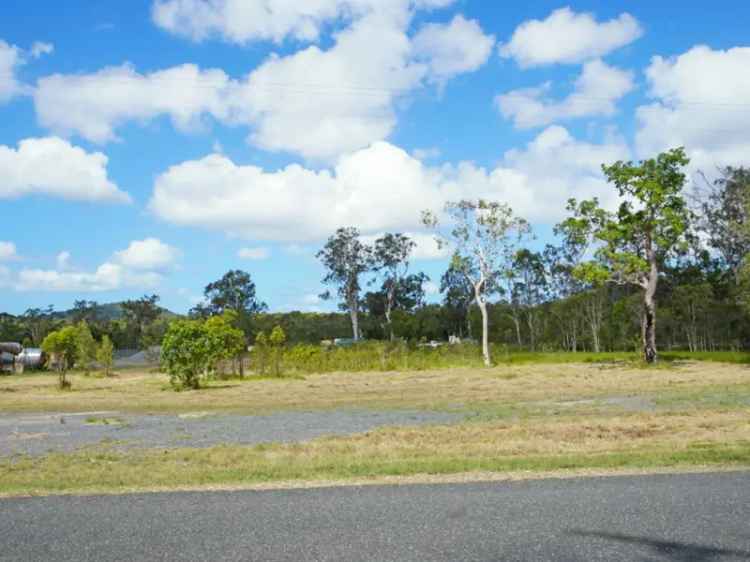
{"type": "Point", "coordinates": [672, 550]}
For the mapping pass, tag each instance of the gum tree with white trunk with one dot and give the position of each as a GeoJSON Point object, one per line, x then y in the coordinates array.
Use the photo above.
{"type": "Point", "coordinates": [485, 236]}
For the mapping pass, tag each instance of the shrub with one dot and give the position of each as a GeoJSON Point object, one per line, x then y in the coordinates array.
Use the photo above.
{"type": "Point", "coordinates": [277, 339]}
{"type": "Point", "coordinates": [226, 341]}
{"type": "Point", "coordinates": [62, 346]}
{"type": "Point", "coordinates": [192, 349]}
{"type": "Point", "coordinates": [187, 353]}
{"type": "Point", "coordinates": [85, 347]}
{"type": "Point", "coordinates": [105, 355]}
{"type": "Point", "coordinates": [260, 353]}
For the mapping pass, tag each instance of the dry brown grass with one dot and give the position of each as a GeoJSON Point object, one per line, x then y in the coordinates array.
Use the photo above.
{"type": "Point", "coordinates": [447, 389]}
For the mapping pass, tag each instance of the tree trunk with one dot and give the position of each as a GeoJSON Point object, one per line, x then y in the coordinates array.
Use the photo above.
{"type": "Point", "coordinates": [388, 307]}
{"type": "Point", "coordinates": [355, 322]}
{"type": "Point", "coordinates": [482, 304]}
{"type": "Point", "coordinates": [532, 330]}
{"type": "Point", "coordinates": [517, 324]}
{"type": "Point", "coordinates": [485, 335]}
{"type": "Point", "coordinates": [649, 311]}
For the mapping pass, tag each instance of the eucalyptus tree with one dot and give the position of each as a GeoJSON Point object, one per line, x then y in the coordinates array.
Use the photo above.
{"type": "Point", "coordinates": [408, 294]}
{"type": "Point", "coordinates": [459, 296]}
{"type": "Point", "coordinates": [390, 258]}
{"type": "Point", "coordinates": [725, 217]}
{"type": "Point", "coordinates": [485, 236]}
{"type": "Point", "coordinates": [84, 310]}
{"type": "Point", "coordinates": [632, 245]}
{"type": "Point", "coordinates": [346, 258]}
{"type": "Point", "coordinates": [530, 289]}
{"type": "Point", "coordinates": [234, 293]}
{"type": "Point", "coordinates": [140, 314]}
{"type": "Point", "coordinates": [39, 322]}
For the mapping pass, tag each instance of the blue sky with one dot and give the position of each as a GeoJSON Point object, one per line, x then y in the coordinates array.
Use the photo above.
{"type": "Point", "coordinates": [150, 146]}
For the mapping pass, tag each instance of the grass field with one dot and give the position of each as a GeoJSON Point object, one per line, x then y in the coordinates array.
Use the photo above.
{"type": "Point", "coordinates": [524, 416]}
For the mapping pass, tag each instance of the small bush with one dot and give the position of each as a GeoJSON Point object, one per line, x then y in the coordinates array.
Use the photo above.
{"type": "Point", "coordinates": [186, 353]}
{"type": "Point", "coordinates": [105, 355]}
{"type": "Point", "coordinates": [193, 349]}
{"type": "Point", "coordinates": [62, 346]}
{"type": "Point", "coordinates": [277, 339]}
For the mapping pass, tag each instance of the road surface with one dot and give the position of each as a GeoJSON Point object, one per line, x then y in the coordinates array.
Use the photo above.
{"type": "Point", "coordinates": [703, 517]}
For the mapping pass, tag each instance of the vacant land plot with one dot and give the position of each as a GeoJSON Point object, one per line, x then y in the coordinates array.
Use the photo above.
{"type": "Point", "coordinates": [525, 417]}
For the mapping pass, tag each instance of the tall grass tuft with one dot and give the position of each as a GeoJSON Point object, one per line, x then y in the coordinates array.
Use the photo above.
{"type": "Point", "coordinates": [303, 359]}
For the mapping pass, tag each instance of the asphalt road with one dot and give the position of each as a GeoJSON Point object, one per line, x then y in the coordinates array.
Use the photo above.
{"type": "Point", "coordinates": [678, 518]}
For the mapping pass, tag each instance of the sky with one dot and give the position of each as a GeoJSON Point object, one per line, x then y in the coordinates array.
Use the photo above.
{"type": "Point", "coordinates": [149, 146]}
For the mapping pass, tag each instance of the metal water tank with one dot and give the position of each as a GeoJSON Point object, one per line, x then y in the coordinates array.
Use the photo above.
{"type": "Point", "coordinates": [31, 358]}
{"type": "Point", "coordinates": [11, 347]}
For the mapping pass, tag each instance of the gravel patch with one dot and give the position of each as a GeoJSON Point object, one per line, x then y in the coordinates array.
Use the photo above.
{"type": "Point", "coordinates": [40, 434]}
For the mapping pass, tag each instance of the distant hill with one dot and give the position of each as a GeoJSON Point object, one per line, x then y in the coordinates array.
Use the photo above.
{"type": "Point", "coordinates": [104, 312]}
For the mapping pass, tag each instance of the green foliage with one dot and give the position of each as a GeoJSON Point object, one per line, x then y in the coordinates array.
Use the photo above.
{"type": "Point", "coordinates": [631, 246]}
{"type": "Point", "coordinates": [187, 353]}
{"type": "Point", "coordinates": [485, 236]}
{"type": "Point", "coordinates": [105, 355]}
{"type": "Point", "coordinates": [277, 341]}
{"type": "Point", "coordinates": [193, 349]}
{"type": "Point", "coordinates": [377, 356]}
{"type": "Point", "coordinates": [227, 340]}
{"type": "Point", "coordinates": [62, 346]}
{"type": "Point", "coordinates": [653, 217]}
{"type": "Point", "coordinates": [234, 292]}
{"type": "Point", "coordinates": [140, 314]}
{"type": "Point", "coordinates": [85, 347]}
{"type": "Point", "coordinates": [261, 353]}
{"type": "Point", "coordinates": [346, 258]}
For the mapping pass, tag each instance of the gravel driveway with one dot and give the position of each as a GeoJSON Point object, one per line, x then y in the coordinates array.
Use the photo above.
{"type": "Point", "coordinates": [37, 434]}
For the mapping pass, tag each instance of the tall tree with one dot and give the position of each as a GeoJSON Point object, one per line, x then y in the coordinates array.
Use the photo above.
{"type": "Point", "coordinates": [459, 296]}
{"type": "Point", "coordinates": [39, 322]}
{"type": "Point", "coordinates": [650, 227]}
{"type": "Point", "coordinates": [725, 217]}
{"type": "Point", "coordinates": [485, 236]}
{"type": "Point", "coordinates": [235, 292]}
{"type": "Point", "coordinates": [390, 255]}
{"type": "Point", "coordinates": [530, 289]}
{"type": "Point", "coordinates": [405, 295]}
{"type": "Point", "coordinates": [84, 310]}
{"type": "Point", "coordinates": [140, 314]}
{"type": "Point", "coordinates": [346, 258]}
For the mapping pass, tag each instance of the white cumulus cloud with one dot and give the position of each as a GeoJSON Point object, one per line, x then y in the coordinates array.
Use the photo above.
{"type": "Point", "coordinates": [569, 37]}
{"type": "Point", "coordinates": [11, 57]}
{"type": "Point", "coordinates": [347, 103]}
{"type": "Point", "coordinates": [94, 105]}
{"type": "Point", "coordinates": [377, 189]}
{"type": "Point", "coordinates": [701, 102]}
{"type": "Point", "coordinates": [243, 21]}
{"type": "Point", "coordinates": [148, 254]}
{"type": "Point", "coordinates": [140, 266]}
{"type": "Point", "coordinates": [53, 166]}
{"type": "Point", "coordinates": [596, 92]}
{"type": "Point", "coordinates": [453, 48]}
